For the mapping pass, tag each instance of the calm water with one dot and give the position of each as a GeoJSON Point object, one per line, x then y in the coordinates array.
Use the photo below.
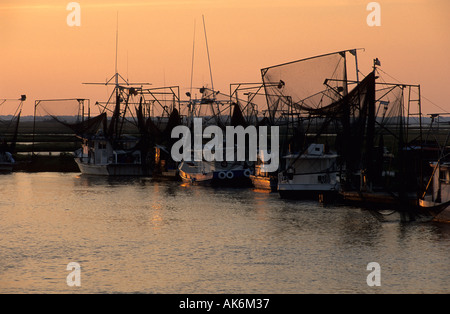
{"type": "Point", "coordinates": [140, 236]}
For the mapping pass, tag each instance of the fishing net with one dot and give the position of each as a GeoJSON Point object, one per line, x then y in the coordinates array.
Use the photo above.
{"type": "Point", "coordinates": [65, 116]}
{"type": "Point", "coordinates": [310, 83]}
{"type": "Point", "coordinates": [10, 111]}
{"type": "Point", "coordinates": [252, 101]}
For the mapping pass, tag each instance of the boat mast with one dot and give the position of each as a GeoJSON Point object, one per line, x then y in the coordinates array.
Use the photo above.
{"type": "Point", "coordinates": [209, 61]}
{"type": "Point", "coordinates": [117, 76]}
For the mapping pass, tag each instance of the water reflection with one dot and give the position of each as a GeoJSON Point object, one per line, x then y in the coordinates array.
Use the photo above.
{"type": "Point", "coordinates": [138, 235]}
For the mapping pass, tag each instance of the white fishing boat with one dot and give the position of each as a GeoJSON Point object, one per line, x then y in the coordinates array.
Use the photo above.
{"type": "Point", "coordinates": [98, 157]}
{"type": "Point", "coordinates": [196, 172]}
{"type": "Point", "coordinates": [215, 173]}
{"type": "Point", "coordinates": [313, 173]}
{"type": "Point", "coordinates": [436, 199]}
{"type": "Point", "coordinates": [110, 150]}
{"type": "Point", "coordinates": [235, 173]}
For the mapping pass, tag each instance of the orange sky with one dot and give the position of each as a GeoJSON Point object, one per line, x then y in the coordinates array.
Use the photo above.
{"type": "Point", "coordinates": [42, 57]}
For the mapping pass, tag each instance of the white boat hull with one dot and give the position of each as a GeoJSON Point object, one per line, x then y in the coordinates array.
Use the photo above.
{"type": "Point", "coordinates": [196, 178]}
{"type": "Point", "coordinates": [110, 169]}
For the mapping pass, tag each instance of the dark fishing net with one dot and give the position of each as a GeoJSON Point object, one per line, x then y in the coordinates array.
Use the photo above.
{"type": "Point", "coordinates": [57, 115]}
{"type": "Point", "coordinates": [10, 111]}
{"type": "Point", "coordinates": [398, 137]}
{"type": "Point", "coordinates": [10, 114]}
{"type": "Point", "coordinates": [311, 83]}
{"type": "Point", "coordinates": [252, 101]}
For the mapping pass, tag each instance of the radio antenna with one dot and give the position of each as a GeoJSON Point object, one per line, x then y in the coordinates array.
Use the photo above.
{"type": "Point", "coordinates": [207, 50]}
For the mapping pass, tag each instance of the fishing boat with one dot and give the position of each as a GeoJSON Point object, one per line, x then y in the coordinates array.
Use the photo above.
{"type": "Point", "coordinates": [99, 157]}
{"type": "Point", "coordinates": [197, 173]}
{"type": "Point", "coordinates": [216, 109]}
{"type": "Point", "coordinates": [313, 173]}
{"type": "Point", "coordinates": [111, 150]}
{"type": "Point", "coordinates": [367, 122]}
{"type": "Point", "coordinates": [216, 173]}
{"type": "Point", "coordinates": [307, 109]}
{"type": "Point", "coordinates": [106, 149]}
{"type": "Point", "coordinates": [165, 167]}
{"type": "Point", "coordinates": [261, 179]}
{"type": "Point", "coordinates": [436, 198]}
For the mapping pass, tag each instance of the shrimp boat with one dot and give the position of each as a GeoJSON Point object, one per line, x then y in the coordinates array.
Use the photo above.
{"type": "Point", "coordinates": [212, 109]}
{"type": "Point", "coordinates": [313, 173]}
{"type": "Point", "coordinates": [367, 122]}
{"type": "Point", "coordinates": [98, 156]}
{"type": "Point", "coordinates": [216, 173]}
{"type": "Point", "coordinates": [107, 149]}
{"type": "Point", "coordinates": [436, 201]}
{"type": "Point", "coordinates": [111, 151]}
{"type": "Point", "coordinates": [264, 180]}
{"type": "Point", "coordinates": [197, 173]}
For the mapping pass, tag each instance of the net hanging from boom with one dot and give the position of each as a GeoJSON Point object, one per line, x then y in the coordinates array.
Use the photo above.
{"type": "Point", "coordinates": [310, 83]}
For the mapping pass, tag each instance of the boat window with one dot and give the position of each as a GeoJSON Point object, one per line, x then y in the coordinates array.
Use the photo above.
{"type": "Point", "coordinates": [444, 176]}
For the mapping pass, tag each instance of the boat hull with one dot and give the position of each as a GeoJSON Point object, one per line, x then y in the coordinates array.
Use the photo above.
{"type": "Point", "coordinates": [216, 178]}
{"type": "Point", "coordinates": [323, 196]}
{"type": "Point", "coordinates": [443, 216]}
{"type": "Point", "coordinates": [6, 167]}
{"type": "Point", "coordinates": [196, 178]}
{"type": "Point", "coordinates": [380, 199]}
{"type": "Point", "coordinates": [264, 183]}
{"type": "Point", "coordinates": [110, 169]}
{"type": "Point", "coordinates": [440, 211]}
{"type": "Point", "coordinates": [235, 177]}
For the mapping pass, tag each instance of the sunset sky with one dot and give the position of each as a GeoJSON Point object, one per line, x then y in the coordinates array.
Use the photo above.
{"type": "Point", "coordinates": [42, 57]}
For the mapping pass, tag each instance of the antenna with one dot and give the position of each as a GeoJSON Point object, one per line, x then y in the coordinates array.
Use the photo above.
{"type": "Point", "coordinates": [116, 75]}
{"type": "Point", "coordinates": [117, 44]}
{"type": "Point", "coordinates": [207, 50]}
{"type": "Point", "coordinates": [193, 55]}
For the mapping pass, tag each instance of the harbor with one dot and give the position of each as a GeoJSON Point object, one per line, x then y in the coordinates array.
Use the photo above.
{"type": "Point", "coordinates": [361, 142]}
{"type": "Point", "coordinates": [250, 148]}
{"type": "Point", "coordinates": [139, 221]}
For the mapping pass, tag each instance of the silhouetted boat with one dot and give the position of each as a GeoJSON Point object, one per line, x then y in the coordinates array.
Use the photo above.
{"type": "Point", "coordinates": [436, 202]}
{"type": "Point", "coordinates": [262, 179]}
{"type": "Point", "coordinates": [218, 173]}
{"type": "Point", "coordinates": [314, 173]}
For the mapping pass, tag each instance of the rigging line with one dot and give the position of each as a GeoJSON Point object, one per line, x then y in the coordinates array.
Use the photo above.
{"type": "Point", "coordinates": [415, 92]}
{"type": "Point", "coordinates": [193, 54]}
{"type": "Point", "coordinates": [207, 50]}
{"type": "Point", "coordinates": [117, 42]}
